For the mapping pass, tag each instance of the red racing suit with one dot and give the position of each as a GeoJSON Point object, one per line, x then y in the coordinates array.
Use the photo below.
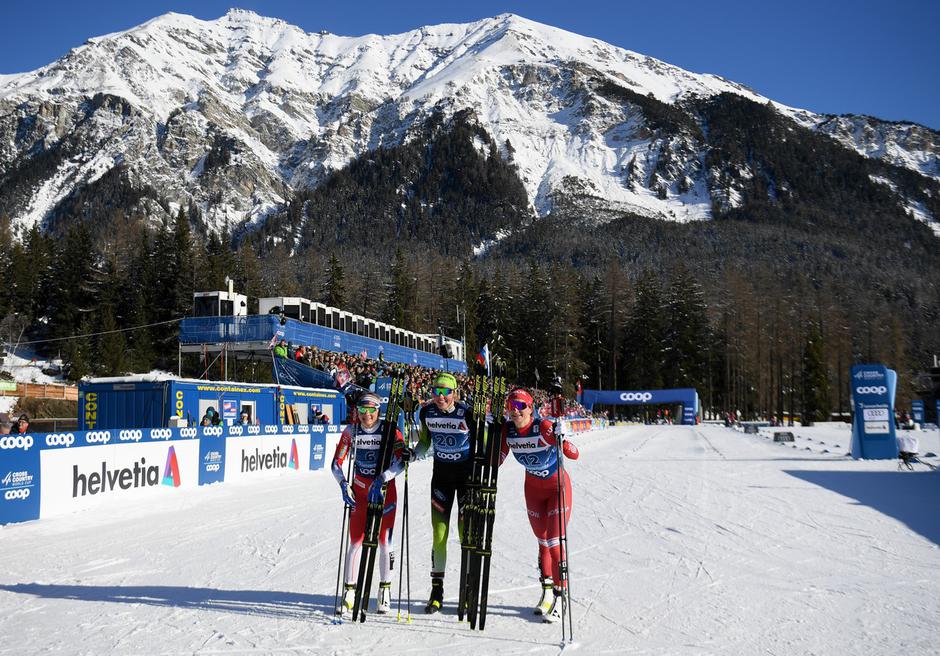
{"type": "Point", "coordinates": [534, 447]}
{"type": "Point", "coordinates": [366, 446]}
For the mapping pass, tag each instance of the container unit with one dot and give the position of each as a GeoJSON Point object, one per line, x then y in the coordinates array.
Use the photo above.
{"type": "Point", "coordinates": [161, 401]}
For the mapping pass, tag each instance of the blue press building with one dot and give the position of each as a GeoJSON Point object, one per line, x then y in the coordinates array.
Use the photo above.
{"type": "Point", "coordinates": [221, 325]}
{"type": "Point", "coordinates": [225, 334]}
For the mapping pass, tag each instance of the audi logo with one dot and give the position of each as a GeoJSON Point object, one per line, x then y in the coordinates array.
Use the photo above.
{"type": "Point", "coordinates": [98, 437]}
{"type": "Point", "coordinates": [188, 432]}
{"type": "Point", "coordinates": [254, 430]}
{"type": "Point", "coordinates": [60, 439]}
{"type": "Point", "coordinates": [875, 389]}
{"type": "Point", "coordinates": [214, 467]}
{"type": "Point", "coordinates": [161, 434]}
{"type": "Point", "coordinates": [16, 442]}
{"type": "Point", "coordinates": [636, 396]}
{"type": "Point", "coordinates": [21, 493]}
{"type": "Point", "coordinates": [131, 435]}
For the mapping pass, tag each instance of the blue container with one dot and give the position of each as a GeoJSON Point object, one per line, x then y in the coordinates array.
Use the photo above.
{"type": "Point", "coordinates": [155, 401]}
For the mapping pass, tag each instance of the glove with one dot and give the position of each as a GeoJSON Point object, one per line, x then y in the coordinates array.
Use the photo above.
{"type": "Point", "coordinates": [407, 454]}
{"type": "Point", "coordinates": [375, 491]}
{"type": "Point", "coordinates": [348, 497]}
{"type": "Point", "coordinates": [559, 430]}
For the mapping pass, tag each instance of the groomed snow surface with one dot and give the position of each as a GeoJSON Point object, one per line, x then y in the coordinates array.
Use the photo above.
{"type": "Point", "coordinates": [683, 540]}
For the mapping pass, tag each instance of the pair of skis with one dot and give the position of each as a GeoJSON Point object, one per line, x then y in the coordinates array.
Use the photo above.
{"type": "Point", "coordinates": [375, 511]}
{"type": "Point", "coordinates": [477, 547]}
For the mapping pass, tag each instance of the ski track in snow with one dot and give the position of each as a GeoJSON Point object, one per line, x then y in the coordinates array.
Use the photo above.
{"type": "Point", "coordinates": [683, 540]}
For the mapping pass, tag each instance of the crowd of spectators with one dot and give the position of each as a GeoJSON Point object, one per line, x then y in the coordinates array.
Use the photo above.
{"type": "Point", "coordinates": [364, 371]}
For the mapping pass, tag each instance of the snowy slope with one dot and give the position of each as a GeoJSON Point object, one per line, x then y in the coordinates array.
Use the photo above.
{"type": "Point", "coordinates": [683, 541]}
{"type": "Point", "coordinates": [295, 106]}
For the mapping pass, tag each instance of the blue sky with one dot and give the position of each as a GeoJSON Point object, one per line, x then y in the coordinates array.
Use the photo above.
{"type": "Point", "coordinates": [836, 56]}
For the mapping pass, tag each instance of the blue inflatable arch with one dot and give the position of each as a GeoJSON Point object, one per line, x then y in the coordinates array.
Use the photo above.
{"type": "Point", "coordinates": [686, 396]}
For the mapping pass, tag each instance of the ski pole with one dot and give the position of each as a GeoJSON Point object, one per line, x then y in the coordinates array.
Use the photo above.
{"type": "Point", "coordinates": [558, 412]}
{"type": "Point", "coordinates": [405, 556]}
{"type": "Point", "coordinates": [344, 534]}
{"type": "Point", "coordinates": [563, 543]}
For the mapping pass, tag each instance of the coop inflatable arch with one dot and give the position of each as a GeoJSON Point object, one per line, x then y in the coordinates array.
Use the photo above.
{"type": "Point", "coordinates": [686, 396]}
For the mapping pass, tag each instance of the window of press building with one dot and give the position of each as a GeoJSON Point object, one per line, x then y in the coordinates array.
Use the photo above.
{"type": "Point", "coordinates": [292, 311]}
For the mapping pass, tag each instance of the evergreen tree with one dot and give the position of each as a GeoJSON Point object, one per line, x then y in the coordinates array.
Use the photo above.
{"type": "Point", "coordinates": [73, 285]}
{"type": "Point", "coordinates": [6, 257]}
{"type": "Point", "coordinates": [334, 291]}
{"type": "Point", "coordinates": [400, 294]}
{"type": "Point", "coordinates": [112, 359]}
{"type": "Point", "coordinates": [686, 337]}
{"type": "Point", "coordinates": [815, 378]}
{"type": "Point", "coordinates": [29, 281]}
{"type": "Point", "coordinates": [534, 337]}
{"type": "Point", "coordinates": [643, 351]}
{"type": "Point", "coordinates": [593, 329]}
{"type": "Point", "coordinates": [183, 274]}
{"type": "Point", "coordinates": [140, 294]}
{"type": "Point", "coordinates": [77, 352]}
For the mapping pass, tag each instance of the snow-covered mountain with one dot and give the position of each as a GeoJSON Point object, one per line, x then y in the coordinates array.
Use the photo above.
{"type": "Point", "coordinates": [238, 113]}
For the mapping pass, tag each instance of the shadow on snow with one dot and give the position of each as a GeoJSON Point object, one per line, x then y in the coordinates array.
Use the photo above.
{"type": "Point", "coordinates": [905, 496]}
{"type": "Point", "coordinates": [267, 603]}
{"type": "Point", "coordinates": [285, 605]}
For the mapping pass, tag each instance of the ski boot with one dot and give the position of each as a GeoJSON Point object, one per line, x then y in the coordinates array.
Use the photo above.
{"type": "Point", "coordinates": [554, 613]}
{"type": "Point", "coordinates": [383, 603]}
{"type": "Point", "coordinates": [349, 598]}
{"type": "Point", "coordinates": [545, 601]}
{"type": "Point", "coordinates": [437, 596]}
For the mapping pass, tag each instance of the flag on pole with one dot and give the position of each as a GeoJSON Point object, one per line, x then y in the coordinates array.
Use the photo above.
{"type": "Point", "coordinates": [278, 336]}
{"type": "Point", "coordinates": [483, 357]}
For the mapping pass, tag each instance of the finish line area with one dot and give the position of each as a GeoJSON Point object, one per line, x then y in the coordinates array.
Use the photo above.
{"type": "Point", "coordinates": [677, 534]}
{"type": "Point", "coordinates": [684, 397]}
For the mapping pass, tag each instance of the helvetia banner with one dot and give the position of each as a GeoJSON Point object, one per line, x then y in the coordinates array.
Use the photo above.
{"type": "Point", "coordinates": [250, 455]}
{"type": "Point", "coordinates": [75, 478]}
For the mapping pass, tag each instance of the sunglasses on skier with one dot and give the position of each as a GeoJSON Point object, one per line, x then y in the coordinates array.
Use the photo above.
{"type": "Point", "coordinates": [367, 409]}
{"type": "Point", "coordinates": [443, 391]}
{"type": "Point", "coordinates": [518, 405]}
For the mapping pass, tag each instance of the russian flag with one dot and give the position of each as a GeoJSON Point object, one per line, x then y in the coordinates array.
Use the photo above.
{"type": "Point", "coordinates": [483, 357]}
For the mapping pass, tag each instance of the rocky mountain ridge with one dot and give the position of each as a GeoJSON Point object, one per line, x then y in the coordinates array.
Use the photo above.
{"type": "Point", "coordinates": [235, 116]}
